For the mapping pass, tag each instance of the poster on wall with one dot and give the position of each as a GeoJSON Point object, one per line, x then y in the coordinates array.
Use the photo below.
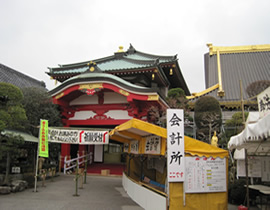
{"type": "Point", "coordinates": [134, 147]}
{"type": "Point", "coordinates": [254, 167]}
{"type": "Point", "coordinates": [126, 147]}
{"type": "Point", "coordinates": [205, 175]}
{"type": "Point", "coordinates": [263, 102]}
{"type": "Point", "coordinates": [175, 145]}
{"type": "Point", "coordinates": [265, 163]}
{"type": "Point", "coordinates": [152, 145]}
{"type": "Point", "coordinates": [68, 136]}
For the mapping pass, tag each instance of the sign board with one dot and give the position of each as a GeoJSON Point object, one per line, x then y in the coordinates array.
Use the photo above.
{"type": "Point", "coordinates": [254, 167]}
{"type": "Point", "coordinates": [175, 145]}
{"type": "Point", "coordinates": [205, 175]}
{"type": "Point", "coordinates": [134, 147]}
{"type": "Point", "coordinates": [15, 170]}
{"type": "Point", "coordinates": [43, 139]}
{"type": "Point", "coordinates": [265, 163]}
{"type": "Point", "coordinates": [264, 102]}
{"type": "Point", "coordinates": [152, 145]}
{"type": "Point", "coordinates": [126, 147]}
{"type": "Point", "coordinates": [78, 136]}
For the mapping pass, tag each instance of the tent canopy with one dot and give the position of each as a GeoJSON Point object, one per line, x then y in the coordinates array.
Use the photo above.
{"type": "Point", "coordinates": [135, 129]}
{"type": "Point", "coordinates": [25, 136]}
{"type": "Point", "coordinates": [255, 137]}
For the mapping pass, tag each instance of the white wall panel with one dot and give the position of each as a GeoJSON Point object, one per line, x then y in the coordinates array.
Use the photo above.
{"type": "Point", "coordinates": [146, 198]}
{"type": "Point", "coordinates": [83, 115]}
{"type": "Point", "coordinates": [114, 98]}
{"type": "Point", "coordinates": [85, 99]}
{"type": "Point", "coordinates": [118, 114]}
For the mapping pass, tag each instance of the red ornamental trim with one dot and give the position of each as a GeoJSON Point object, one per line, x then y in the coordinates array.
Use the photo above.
{"type": "Point", "coordinates": [81, 133]}
{"type": "Point", "coordinates": [104, 139]}
{"type": "Point", "coordinates": [90, 91]}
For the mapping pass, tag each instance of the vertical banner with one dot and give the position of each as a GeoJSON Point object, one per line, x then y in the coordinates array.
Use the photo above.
{"type": "Point", "coordinates": [43, 139]}
{"type": "Point", "coordinates": [175, 145]}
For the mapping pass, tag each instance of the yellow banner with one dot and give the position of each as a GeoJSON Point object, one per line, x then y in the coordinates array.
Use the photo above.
{"type": "Point", "coordinates": [43, 139]}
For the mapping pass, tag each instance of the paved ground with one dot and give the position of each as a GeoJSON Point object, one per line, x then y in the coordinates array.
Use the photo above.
{"type": "Point", "coordinates": [102, 193]}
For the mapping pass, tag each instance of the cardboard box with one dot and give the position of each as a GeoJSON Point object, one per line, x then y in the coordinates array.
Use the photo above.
{"type": "Point", "coordinates": [105, 172]}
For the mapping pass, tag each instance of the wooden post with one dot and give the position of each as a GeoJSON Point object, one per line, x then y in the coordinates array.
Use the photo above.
{"type": "Point", "coordinates": [76, 179]}
{"type": "Point", "coordinates": [60, 162]}
{"type": "Point", "coordinates": [65, 167]}
{"type": "Point", "coordinates": [43, 176]}
{"type": "Point", "coordinates": [247, 189]}
{"type": "Point", "coordinates": [85, 168]}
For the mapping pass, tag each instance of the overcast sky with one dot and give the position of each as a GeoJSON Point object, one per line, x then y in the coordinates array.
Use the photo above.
{"type": "Point", "coordinates": [38, 34]}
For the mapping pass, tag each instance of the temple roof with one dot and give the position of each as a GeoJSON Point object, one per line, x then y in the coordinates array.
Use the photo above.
{"type": "Point", "coordinates": [106, 81]}
{"type": "Point", "coordinates": [246, 63]}
{"type": "Point", "coordinates": [130, 62]}
{"type": "Point", "coordinates": [130, 59]}
{"type": "Point", "coordinates": [18, 79]}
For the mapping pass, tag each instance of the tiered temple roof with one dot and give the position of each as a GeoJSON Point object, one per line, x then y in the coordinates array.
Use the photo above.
{"type": "Point", "coordinates": [133, 66]}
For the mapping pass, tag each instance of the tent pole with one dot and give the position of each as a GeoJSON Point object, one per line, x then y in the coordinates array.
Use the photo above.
{"type": "Point", "coordinates": [247, 189]}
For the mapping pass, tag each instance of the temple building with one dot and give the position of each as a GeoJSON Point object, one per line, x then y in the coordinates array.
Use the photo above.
{"type": "Point", "coordinates": [103, 93]}
{"type": "Point", "coordinates": [230, 69]}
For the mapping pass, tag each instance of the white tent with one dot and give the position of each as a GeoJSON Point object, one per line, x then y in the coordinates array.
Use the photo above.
{"type": "Point", "coordinates": [255, 137]}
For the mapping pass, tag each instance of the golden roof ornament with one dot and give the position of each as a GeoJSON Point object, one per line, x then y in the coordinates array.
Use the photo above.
{"type": "Point", "coordinates": [121, 49]}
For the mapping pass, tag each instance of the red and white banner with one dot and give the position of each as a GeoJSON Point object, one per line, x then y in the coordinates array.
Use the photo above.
{"type": "Point", "coordinates": [77, 136]}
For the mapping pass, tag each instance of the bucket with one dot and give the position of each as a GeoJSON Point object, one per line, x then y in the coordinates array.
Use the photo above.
{"type": "Point", "coordinates": [242, 207]}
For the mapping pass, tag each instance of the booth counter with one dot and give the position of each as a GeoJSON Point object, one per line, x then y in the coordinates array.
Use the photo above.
{"type": "Point", "coordinates": [145, 146]}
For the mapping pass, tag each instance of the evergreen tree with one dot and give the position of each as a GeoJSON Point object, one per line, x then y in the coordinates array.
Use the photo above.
{"type": "Point", "coordinates": [12, 117]}
{"type": "Point", "coordinates": [208, 117]}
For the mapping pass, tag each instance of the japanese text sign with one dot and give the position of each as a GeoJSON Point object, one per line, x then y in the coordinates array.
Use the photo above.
{"type": "Point", "coordinates": [126, 147]}
{"type": "Point", "coordinates": [134, 147]}
{"type": "Point", "coordinates": [152, 145]}
{"type": "Point", "coordinates": [264, 102]}
{"type": "Point", "coordinates": [175, 145]}
{"type": "Point", "coordinates": [78, 136]}
{"type": "Point", "coordinates": [205, 175]}
{"type": "Point", "coordinates": [43, 139]}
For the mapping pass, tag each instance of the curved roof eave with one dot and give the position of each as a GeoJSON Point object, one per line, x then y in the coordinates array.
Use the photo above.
{"type": "Point", "coordinates": [102, 77]}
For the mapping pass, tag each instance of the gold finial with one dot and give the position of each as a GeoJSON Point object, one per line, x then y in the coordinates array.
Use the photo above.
{"type": "Point", "coordinates": [209, 45]}
{"type": "Point", "coordinates": [121, 49]}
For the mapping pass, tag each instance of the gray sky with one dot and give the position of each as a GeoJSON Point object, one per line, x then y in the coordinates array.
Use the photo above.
{"type": "Point", "coordinates": [36, 34]}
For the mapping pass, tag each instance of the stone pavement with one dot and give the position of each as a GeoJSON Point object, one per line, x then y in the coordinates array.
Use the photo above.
{"type": "Point", "coordinates": [100, 192]}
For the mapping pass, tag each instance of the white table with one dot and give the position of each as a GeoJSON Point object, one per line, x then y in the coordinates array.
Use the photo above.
{"type": "Point", "coordinates": [263, 190]}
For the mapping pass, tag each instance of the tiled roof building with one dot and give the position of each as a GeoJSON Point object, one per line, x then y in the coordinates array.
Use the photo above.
{"type": "Point", "coordinates": [18, 79]}
{"type": "Point", "coordinates": [135, 67]}
{"type": "Point", "coordinates": [226, 66]}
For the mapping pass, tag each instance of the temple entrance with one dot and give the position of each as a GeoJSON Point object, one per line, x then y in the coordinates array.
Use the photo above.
{"type": "Point", "coordinates": [74, 148]}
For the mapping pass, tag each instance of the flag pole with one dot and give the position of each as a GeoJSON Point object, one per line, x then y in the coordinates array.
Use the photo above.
{"type": "Point", "coordinates": [36, 173]}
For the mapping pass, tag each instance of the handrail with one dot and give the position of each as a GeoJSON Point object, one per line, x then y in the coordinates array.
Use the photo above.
{"type": "Point", "coordinates": [69, 164]}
